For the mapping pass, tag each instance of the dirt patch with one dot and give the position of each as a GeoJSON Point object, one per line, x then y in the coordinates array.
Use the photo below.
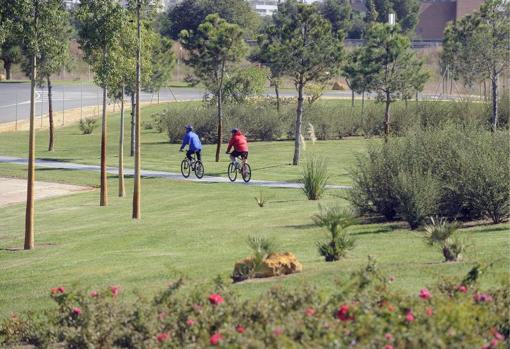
{"type": "Point", "coordinates": [14, 191]}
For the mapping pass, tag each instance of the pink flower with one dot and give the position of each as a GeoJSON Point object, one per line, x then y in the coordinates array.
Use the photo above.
{"type": "Point", "coordinates": [388, 336]}
{"type": "Point", "coordinates": [93, 294]}
{"type": "Point", "coordinates": [54, 290]}
{"type": "Point", "coordinates": [216, 338]}
{"type": "Point", "coordinates": [425, 294]}
{"type": "Point", "coordinates": [429, 311]}
{"type": "Point", "coordinates": [498, 336]}
{"type": "Point", "coordinates": [343, 313]}
{"type": "Point", "coordinates": [310, 311]}
{"type": "Point", "coordinates": [410, 316]}
{"type": "Point", "coordinates": [61, 290]}
{"type": "Point", "coordinates": [462, 289]}
{"type": "Point", "coordinates": [277, 331]}
{"type": "Point", "coordinates": [240, 329]}
{"type": "Point", "coordinates": [482, 298]}
{"type": "Point", "coordinates": [388, 346]}
{"type": "Point", "coordinates": [216, 299]}
{"type": "Point", "coordinates": [494, 343]}
{"type": "Point", "coordinates": [76, 311]}
{"type": "Point", "coordinates": [115, 291]}
{"type": "Point", "coordinates": [190, 322]}
{"type": "Point", "coordinates": [163, 337]}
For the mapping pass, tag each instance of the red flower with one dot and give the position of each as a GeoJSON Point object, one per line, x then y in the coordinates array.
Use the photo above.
{"type": "Point", "coordinates": [61, 290]}
{"type": "Point", "coordinates": [240, 329]}
{"type": "Point", "coordinates": [429, 311]}
{"type": "Point", "coordinates": [278, 331]}
{"type": "Point", "coordinates": [462, 289]}
{"type": "Point", "coordinates": [76, 311]}
{"type": "Point", "coordinates": [115, 291]}
{"type": "Point", "coordinates": [391, 308]}
{"type": "Point", "coordinates": [425, 294]}
{"type": "Point", "coordinates": [388, 336]}
{"type": "Point", "coordinates": [410, 316]}
{"type": "Point", "coordinates": [388, 346]}
{"type": "Point", "coordinates": [482, 298]}
{"type": "Point", "coordinates": [310, 311]}
{"type": "Point", "coordinates": [93, 294]}
{"type": "Point", "coordinates": [163, 337]}
{"type": "Point", "coordinates": [216, 338]}
{"type": "Point", "coordinates": [190, 322]}
{"type": "Point", "coordinates": [216, 299]}
{"type": "Point", "coordinates": [498, 336]}
{"type": "Point", "coordinates": [343, 313]}
{"type": "Point", "coordinates": [54, 290]}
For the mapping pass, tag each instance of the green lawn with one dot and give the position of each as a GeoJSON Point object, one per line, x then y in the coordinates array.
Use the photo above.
{"type": "Point", "coordinates": [198, 230]}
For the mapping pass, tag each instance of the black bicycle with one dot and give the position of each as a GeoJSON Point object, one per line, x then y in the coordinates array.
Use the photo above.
{"type": "Point", "coordinates": [194, 165]}
{"type": "Point", "coordinates": [239, 166]}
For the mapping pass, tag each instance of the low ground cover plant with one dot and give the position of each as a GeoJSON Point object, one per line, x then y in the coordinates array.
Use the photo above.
{"type": "Point", "coordinates": [441, 233]}
{"type": "Point", "coordinates": [460, 173]}
{"type": "Point", "coordinates": [363, 312]}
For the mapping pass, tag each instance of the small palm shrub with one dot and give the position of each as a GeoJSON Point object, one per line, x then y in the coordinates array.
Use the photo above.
{"type": "Point", "coordinates": [336, 220]}
{"type": "Point", "coordinates": [315, 177]}
{"type": "Point", "coordinates": [441, 233]}
{"type": "Point", "coordinates": [261, 200]}
{"type": "Point", "coordinates": [261, 249]}
{"type": "Point", "coordinates": [87, 125]}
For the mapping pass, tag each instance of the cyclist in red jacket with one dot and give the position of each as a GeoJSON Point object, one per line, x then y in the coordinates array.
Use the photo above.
{"type": "Point", "coordinates": [240, 144]}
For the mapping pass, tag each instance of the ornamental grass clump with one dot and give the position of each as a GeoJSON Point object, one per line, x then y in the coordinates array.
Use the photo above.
{"type": "Point", "coordinates": [315, 177]}
{"type": "Point", "coordinates": [336, 220]}
{"type": "Point", "coordinates": [87, 125]}
{"type": "Point", "coordinates": [443, 234]}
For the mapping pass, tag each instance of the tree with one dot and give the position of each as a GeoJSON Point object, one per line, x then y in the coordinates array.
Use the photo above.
{"type": "Point", "coordinates": [355, 75]}
{"type": "Point", "coordinates": [189, 14]}
{"type": "Point", "coordinates": [301, 41]}
{"type": "Point", "coordinates": [338, 13]}
{"type": "Point", "coordinates": [213, 50]}
{"type": "Point", "coordinates": [406, 12]}
{"type": "Point", "coordinates": [54, 55]}
{"type": "Point", "coordinates": [10, 53]}
{"type": "Point", "coordinates": [99, 26]}
{"type": "Point", "coordinates": [390, 66]}
{"type": "Point", "coordinates": [477, 47]}
{"type": "Point", "coordinates": [162, 64]}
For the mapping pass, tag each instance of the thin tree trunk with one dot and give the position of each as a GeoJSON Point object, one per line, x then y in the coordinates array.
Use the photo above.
{"type": "Point", "coordinates": [29, 216]}
{"type": "Point", "coordinates": [494, 101]}
{"type": "Point", "coordinates": [104, 180]}
{"type": "Point", "coordinates": [405, 102]}
{"type": "Point", "coordinates": [299, 120]}
{"type": "Point", "coordinates": [122, 187]}
{"type": "Point", "coordinates": [277, 92]}
{"type": "Point", "coordinates": [352, 98]}
{"type": "Point", "coordinates": [220, 125]}
{"type": "Point", "coordinates": [137, 180]}
{"type": "Point", "coordinates": [51, 144]}
{"type": "Point", "coordinates": [387, 117]}
{"type": "Point", "coordinates": [7, 67]}
{"type": "Point", "coordinates": [133, 111]}
{"type": "Point", "coordinates": [484, 91]}
{"type": "Point", "coordinates": [363, 103]}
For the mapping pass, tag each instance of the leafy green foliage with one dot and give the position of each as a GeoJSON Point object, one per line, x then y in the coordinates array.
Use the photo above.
{"type": "Point", "coordinates": [441, 233]}
{"type": "Point", "coordinates": [315, 177]}
{"type": "Point", "coordinates": [10, 53]}
{"type": "Point", "coordinates": [338, 13]}
{"type": "Point", "coordinates": [87, 125]}
{"type": "Point", "coordinates": [245, 82]}
{"type": "Point", "coordinates": [406, 12]}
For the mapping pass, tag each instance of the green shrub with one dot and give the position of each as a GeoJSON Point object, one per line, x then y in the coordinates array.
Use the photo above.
{"type": "Point", "coordinates": [443, 234]}
{"type": "Point", "coordinates": [315, 177]}
{"type": "Point", "coordinates": [87, 125]}
{"type": "Point", "coordinates": [336, 220]}
{"type": "Point", "coordinates": [364, 311]}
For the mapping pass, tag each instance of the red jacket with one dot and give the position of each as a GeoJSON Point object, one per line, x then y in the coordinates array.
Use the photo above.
{"type": "Point", "coordinates": [238, 141]}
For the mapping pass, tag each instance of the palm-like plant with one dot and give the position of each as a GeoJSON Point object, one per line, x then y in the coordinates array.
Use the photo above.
{"type": "Point", "coordinates": [336, 220]}
{"type": "Point", "coordinates": [442, 233]}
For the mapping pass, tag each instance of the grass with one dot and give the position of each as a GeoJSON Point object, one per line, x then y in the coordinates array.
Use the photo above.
{"type": "Point", "coordinates": [198, 230]}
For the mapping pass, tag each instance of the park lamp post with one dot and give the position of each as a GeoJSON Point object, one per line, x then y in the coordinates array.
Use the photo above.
{"type": "Point", "coordinates": [391, 19]}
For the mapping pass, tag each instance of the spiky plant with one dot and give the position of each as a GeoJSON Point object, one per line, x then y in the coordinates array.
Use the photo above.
{"type": "Point", "coordinates": [442, 233]}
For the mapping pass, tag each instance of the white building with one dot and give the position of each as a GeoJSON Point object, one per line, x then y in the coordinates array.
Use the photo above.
{"type": "Point", "coordinates": [267, 7]}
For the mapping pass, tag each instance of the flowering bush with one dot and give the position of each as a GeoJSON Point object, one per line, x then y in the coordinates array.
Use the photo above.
{"type": "Point", "coordinates": [364, 313]}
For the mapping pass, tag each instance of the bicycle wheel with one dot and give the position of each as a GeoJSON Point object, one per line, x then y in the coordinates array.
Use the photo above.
{"type": "Point", "coordinates": [185, 168]}
{"type": "Point", "coordinates": [232, 172]}
{"type": "Point", "coordinates": [199, 169]}
{"type": "Point", "coordinates": [246, 173]}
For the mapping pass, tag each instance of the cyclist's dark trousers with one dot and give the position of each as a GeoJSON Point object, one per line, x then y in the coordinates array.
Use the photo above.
{"type": "Point", "coordinates": [242, 154]}
{"type": "Point", "coordinates": [198, 152]}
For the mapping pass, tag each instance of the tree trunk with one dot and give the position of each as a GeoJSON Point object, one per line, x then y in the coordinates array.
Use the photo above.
{"type": "Point", "coordinates": [50, 116]}
{"type": "Point", "coordinates": [299, 120]}
{"type": "Point", "coordinates": [220, 125]}
{"type": "Point", "coordinates": [136, 214]}
{"type": "Point", "coordinates": [29, 215]}
{"type": "Point", "coordinates": [7, 67]}
{"type": "Point", "coordinates": [484, 91]}
{"type": "Point", "coordinates": [494, 101]}
{"type": "Point", "coordinates": [352, 98]}
{"type": "Point", "coordinates": [133, 111]}
{"type": "Point", "coordinates": [363, 103]}
{"type": "Point", "coordinates": [122, 187]}
{"type": "Point", "coordinates": [277, 92]}
{"type": "Point", "coordinates": [387, 117]}
{"type": "Point", "coordinates": [104, 180]}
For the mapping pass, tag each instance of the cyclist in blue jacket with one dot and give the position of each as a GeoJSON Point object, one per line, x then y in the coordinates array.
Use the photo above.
{"type": "Point", "coordinates": [191, 139]}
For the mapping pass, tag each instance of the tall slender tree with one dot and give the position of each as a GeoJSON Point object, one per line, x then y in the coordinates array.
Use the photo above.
{"type": "Point", "coordinates": [10, 53]}
{"type": "Point", "coordinates": [99, 27]}
{"type": "Point", "coordinates": [301, 41]}
{"type": "Point", "coordinates": [213, 49]}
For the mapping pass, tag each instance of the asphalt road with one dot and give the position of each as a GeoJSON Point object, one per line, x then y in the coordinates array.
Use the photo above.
{"type": "Point", "coordinates": [15, 98]}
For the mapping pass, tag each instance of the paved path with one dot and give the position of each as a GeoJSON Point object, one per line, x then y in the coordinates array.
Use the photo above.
{"type": "Point", "coordinates": [156, 174]}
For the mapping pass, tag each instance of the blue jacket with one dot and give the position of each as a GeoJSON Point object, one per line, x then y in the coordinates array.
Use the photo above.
{"type": "Point", "coordinates": [192, 139]}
